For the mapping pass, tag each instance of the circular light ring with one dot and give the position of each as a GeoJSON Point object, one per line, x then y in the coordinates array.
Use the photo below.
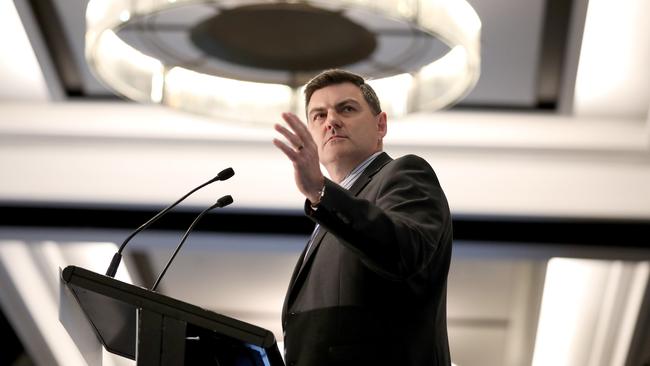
{"type": "Point", "coordinates": [208, 87]}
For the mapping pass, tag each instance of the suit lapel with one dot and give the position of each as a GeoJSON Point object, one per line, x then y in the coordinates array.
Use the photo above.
{"type": "Point", "coordinates": [299, 270]}
{"type": "Point", "coordinates": [314, 246]}
{"type": "Point", "coordinates": [285, 306]}
{"type": "Point", "coordinates": [305, 262]}
{"type": "Point", "coordinates": [372, 169]}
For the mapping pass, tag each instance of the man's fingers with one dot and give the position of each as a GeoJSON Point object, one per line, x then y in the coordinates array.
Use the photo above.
{"type": "Point", "coordinates": [297, 126]}
{"type": "Point", "coordinates": [295, 140]}
{"type": "Point", "coordinates": [303, 154]}
{"type": "Point", "coordinates": [289, 152]}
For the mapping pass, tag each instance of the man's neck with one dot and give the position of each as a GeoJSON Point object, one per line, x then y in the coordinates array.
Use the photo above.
{"type": "Point", "coordinates": [338, 173]}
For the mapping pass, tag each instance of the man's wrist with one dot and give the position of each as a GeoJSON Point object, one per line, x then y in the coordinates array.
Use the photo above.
{"type": "Point", "coordinates": [319, 197]}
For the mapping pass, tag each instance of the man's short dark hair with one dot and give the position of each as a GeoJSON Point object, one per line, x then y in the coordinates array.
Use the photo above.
{"type": "Point", "coordinates": [336, 76]}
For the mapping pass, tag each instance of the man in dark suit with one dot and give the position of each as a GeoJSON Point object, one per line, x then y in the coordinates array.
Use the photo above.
{"type": "Point", "coordinates": [370, 286]}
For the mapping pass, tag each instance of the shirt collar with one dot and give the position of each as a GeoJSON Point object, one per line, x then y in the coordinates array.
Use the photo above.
{"type": "Point", "coordinates": [352, 177]}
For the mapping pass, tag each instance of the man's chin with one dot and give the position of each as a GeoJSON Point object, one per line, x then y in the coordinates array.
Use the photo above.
{"type": "Point", "coordinates": [333, 149]}
{"type": "Point", "coordinates": [331, 155]}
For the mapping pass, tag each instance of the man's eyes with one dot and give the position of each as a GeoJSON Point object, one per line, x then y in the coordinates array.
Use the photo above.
{"type": "Point", "coordinates": [342, 109]}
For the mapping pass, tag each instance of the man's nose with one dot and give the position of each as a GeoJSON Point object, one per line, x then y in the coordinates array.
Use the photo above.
{"type": "Point", "coordinates": [333, 120]}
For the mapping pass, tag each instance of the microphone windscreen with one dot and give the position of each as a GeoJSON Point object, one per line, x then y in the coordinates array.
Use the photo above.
{"type": "Point", "coordinates": [224, 201]}
{"type": "Point", "coordinates": [225, 174]}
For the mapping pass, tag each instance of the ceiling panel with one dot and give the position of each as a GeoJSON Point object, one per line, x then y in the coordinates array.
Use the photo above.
{"type": "Point", "coordinates": [21, 77]}
{"type": "Point", "coordinates": [510, 44]}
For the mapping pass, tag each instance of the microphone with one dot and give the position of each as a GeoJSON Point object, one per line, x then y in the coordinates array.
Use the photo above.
{"type": "Point", "coordinates": [117, 258]}
{"type": "Point", "coordinates": [221, 202]}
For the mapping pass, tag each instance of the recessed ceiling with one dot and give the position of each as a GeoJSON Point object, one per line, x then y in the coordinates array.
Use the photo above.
{"type": "Point", "coordinates": [515, 52]}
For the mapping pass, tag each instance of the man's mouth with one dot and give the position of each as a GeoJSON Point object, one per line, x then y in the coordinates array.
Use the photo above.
{"type": "Point", "coordinates": [334, 138]}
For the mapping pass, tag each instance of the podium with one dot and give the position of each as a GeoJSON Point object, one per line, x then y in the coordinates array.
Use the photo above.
{"type": "Point", "coordinates": [157, 330]}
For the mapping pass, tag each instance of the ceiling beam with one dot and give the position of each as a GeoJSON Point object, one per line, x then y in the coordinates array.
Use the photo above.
{"type": "Point", "coordinates": [51, 46]}
{"type": "Point", "coordinates": [554, 45]}
{"type": "Point", "coordinates": [571, 57]}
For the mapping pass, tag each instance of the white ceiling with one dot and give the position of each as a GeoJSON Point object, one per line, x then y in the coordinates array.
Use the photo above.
{"type": "Point", "coordinates": [515, 55]}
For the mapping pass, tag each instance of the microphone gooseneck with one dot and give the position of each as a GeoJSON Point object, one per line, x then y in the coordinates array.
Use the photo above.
{"type": "Point", "coordinates": [117, 258]}
{"type": "Point", "coordinates": [221, 202]}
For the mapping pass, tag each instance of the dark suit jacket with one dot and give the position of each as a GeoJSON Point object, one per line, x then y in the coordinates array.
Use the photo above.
{"type": "Point", "coordinates": [372, 290]}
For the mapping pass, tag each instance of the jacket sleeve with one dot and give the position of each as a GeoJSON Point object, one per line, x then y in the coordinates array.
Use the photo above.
{"type": "Point", "coordinates": [397, 232]}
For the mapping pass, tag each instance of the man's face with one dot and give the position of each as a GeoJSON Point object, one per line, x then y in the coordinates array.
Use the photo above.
{"type": "Point", "coordinates": [343, 125]}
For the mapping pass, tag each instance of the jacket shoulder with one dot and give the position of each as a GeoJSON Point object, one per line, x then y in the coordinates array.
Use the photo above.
{"type": "Point", "coordinates": [409, 161]}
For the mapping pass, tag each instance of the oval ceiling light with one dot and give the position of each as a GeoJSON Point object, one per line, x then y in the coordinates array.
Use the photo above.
{"type": "Point", "coordinates": [248, 60]}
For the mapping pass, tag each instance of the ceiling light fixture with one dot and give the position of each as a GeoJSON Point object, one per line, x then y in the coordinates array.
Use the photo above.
{"type": "Point", "coordinates": [248, 60]}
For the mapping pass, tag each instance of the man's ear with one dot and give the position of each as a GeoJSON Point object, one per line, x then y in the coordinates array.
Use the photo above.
{"type": "Point", "coordinates": [382, 124]}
